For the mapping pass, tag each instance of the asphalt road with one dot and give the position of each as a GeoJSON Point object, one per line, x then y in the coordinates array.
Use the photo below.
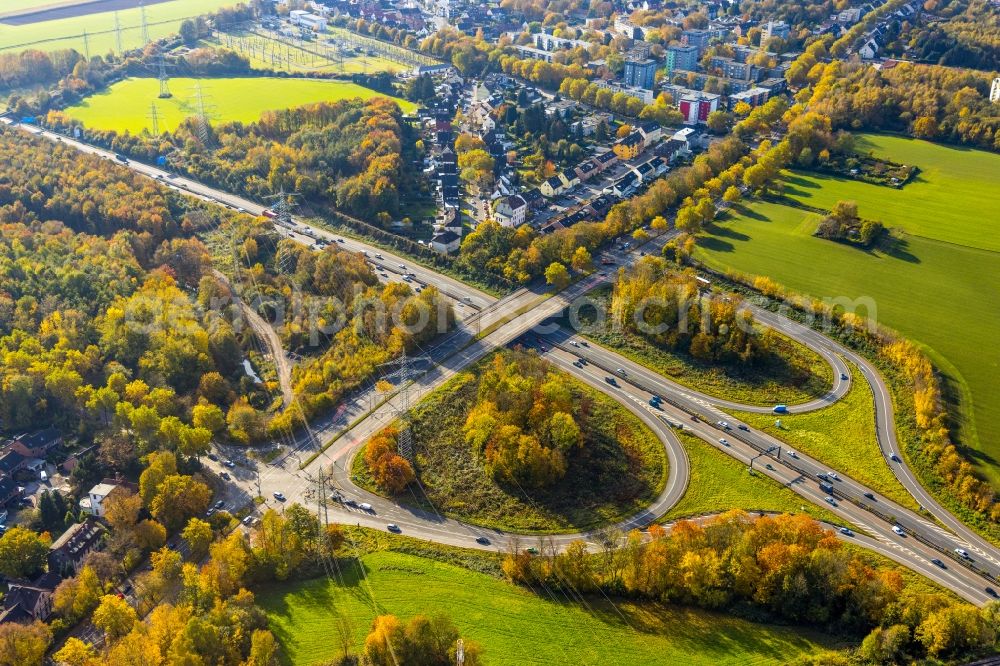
{"type": "Point", "coordinates": [498, 323]}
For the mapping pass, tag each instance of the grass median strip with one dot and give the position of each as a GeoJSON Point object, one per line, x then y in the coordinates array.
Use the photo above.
{"type": "Point", "coordinates": [842, 436]}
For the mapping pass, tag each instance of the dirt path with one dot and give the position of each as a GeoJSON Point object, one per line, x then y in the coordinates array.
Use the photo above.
{"type": "Point", "coordinates": [269, 337]}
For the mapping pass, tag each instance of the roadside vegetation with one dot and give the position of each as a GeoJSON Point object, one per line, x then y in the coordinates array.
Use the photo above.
{"type": "Point", "coordinates": [841, 435]}
{"type": "Point", "coordinates": [599, 464]}
{"type": "Point", "coordinates": [791, 373]}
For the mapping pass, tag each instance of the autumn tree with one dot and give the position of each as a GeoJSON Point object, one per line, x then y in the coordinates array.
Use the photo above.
{"type": "Point", "coordinates": [22, 552]}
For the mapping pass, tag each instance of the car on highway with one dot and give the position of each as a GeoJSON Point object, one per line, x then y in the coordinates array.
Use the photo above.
{"type": "Point", "coordinates": [723, 424]}
{"type": "Point", "coordinates": [898, 530]}
{"type": "Point", "coordinates": [744, 427]}
{"type": "Point", "coordinates": [583, 343]}
{"type": "Point", "coordinates": [621, 372]}
{"type": "Point", "coordinates": [780, 409]}
{"type": "Point", "coordinates": [574, 343]}
{"type": "Point", "coordinates": [378, 256]}
{"type": "Point", "coordinates": [846, 531]}
{"type": "Point", "coordinates": [219, 505]}
{"type": "Point", "coordinates": [653, 402]}
{"type": "Point", "coordinates": [280, 496]}
{"type": "Point", "coordinates": [833, 475]}
{"type": "Point", "coordinates": [393, 527]}
{"type": "Point", "coordinates": [961, 552]}
{"type": "Point", "coordinates": [822, 477]}
{"type": "Point", "coordinates": [365, 506]}
{"type": "Point", "coordinates": [611, 380]}
{"type": "Point", "coordinates": [792, 454]}
{"type": "Point", "coordinates": [402, 266]}
{"type": "Point", "coordinates": [938, 563]}
{"type": "Point", "coordinates": [894, 457]}
{"type": "Point", "coordinates": [990, 591]}
{"type": "Point", "coordinates": [723, 441]}
{"type": "Point", "coordinates": [870, 496]}
{"type": "Point", "coordinates": [531, 550]}
{"type": "Point", "coordinates": [829, 500]}
{"type": "Point", "coordinates": [843, 376]}
{"type": "Point", "coordinates": [577, 364]}
{"type": "Point", "coordinates": [482, 541]}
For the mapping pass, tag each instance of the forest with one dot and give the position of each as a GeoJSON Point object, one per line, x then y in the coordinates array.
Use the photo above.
{"type": "Point", "coordinates": [665, 306]}
{"type": "Point", "coordinates": [326, 305]}
{"type": "Point", "coordinates": [349, 154]}
{"type": "Point", "coordinates": [781, 567]}
{"type": "Point", "coordinates": [524, 423]}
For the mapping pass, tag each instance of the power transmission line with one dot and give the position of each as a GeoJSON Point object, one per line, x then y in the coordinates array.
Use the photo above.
{"type": "Point", "coordinates": [118, 35]}
{"type": "Point", "coordinates": [162, 76]}
{"type": "Point", "coordinates": [154, 118]}
{"type": "Point", "coordinates": [406, 372]}
{"type": "Point", "coordinates": [145, 27]}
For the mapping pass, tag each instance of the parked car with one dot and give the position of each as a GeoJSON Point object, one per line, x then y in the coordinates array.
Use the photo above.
{"type": "Point", "coordinates": [279, 496]}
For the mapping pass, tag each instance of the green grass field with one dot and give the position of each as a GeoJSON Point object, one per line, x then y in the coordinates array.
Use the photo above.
{"type": "Point", "coordinates": [720, 483]}
{"type": "Point", "coordinates": [313, 620]}
{"type": "Point", "coordinates": [126, 104]}
{"type": "Point", "coordinates": [162, 19]}
{"type": "Point", "coordinates": [841, 435]}
{"type": "Point", "coordinates": [938, 283]}
{"type": "Point", "coordinates": [804, 376]}
{"type": "Point", "coordinates": [619, 470]}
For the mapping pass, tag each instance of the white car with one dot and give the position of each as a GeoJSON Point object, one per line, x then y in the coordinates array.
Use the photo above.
{"type": "Point", "coordinates": [365, 506]}
{"type": "Point", "coordinates": [791, 453]}
{"type": "Point", "coordinates": [962, 553]}
{"type": "Point", "coordinates": [898, 530]}
{"type": "Point", "coordinates": [833, 475]}
{"type": "Point", "coordinates": [724, 441]}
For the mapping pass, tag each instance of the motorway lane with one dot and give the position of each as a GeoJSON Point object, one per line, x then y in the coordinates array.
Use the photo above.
{"type": "Point", "coordinates": [886, 431]}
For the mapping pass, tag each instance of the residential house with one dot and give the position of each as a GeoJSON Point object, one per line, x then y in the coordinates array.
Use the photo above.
{"type": "Point", "coordinates": [37, 444]}
{"type": "Point", "coordinates": [569, 179]}
{"type": "Point", "coordinates": [586, 169]}
{"type": "Point", "coordinates": [446, 242]}
{"type": "Point", "coordinates": [605, 160]}
{"type": "Point", "coordinates": [9, 491]}
{"type": "Point", "coordinates": [651, 132]}
{"type": "Point", "coordinates": [93, 503]}
{"type": "Point", "coordinates": [68, 551]}
{"type": "Point", "coordinates": [552, 187]}
{"type": "Point", "coordinates": [512, 211]}
{"type": "Point", "coordinates": [625, 185]}
{"type": "Point", "coordinates": [27, 602]}
{"type": "Point", "coordinates": [628, 147]}
{"type": "Point", "coordinates": [534, 198]}
{"type": "Point", "coordinates": [11, 463]}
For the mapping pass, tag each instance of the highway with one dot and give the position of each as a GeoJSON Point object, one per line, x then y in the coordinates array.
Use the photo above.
{"type": "Point", "coordinates": [497, 323]}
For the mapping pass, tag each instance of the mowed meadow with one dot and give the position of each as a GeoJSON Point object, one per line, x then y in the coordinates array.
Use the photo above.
{"type": "Point", "coordinates": [937, 281]}
{"type": "Point", "coordinates": [315, 620]}
{"type": "Point", "coordinates": [126, 105]}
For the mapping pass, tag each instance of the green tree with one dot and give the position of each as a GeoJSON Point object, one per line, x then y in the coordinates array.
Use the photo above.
{"type": "Point", "coordinates": [114, 617]}
{"type": "Point", "coordinates": [22, 552]}
{"type": "Point", "coordinates": [198, 535]}
{"type": "Point", "coordinates": [557, 275]}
